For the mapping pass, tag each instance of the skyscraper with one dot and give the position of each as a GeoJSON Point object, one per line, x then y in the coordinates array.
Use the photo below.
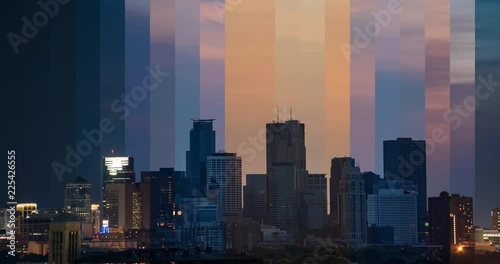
{"type": "Point", "coordinates": [285, 143]}
{"type": "Point", "coordinates": [95, 218]}
{"type": "Point", "coordinates": [201, 145]}
{"type": "Point", "coordinates": [337, 165]}
{"type": "Point", "coordinates": [118, 206]}
{"type": "Point", "coordinates": [77, 198]}
{"type": "Point", "coordinates": [224, 186]}
{"type": "Point", "coordinates": [254, 197]}
{"type": "Point", "coordinates": [351, 206]}
{"type": "Point", "coordinates": [397, 209]}
{"type": "Point", "coordinates": [282, 195]}
{"type": "Point", "coordinates": [159, 191]}
{"type": "Point", "coordinates": [116, 170]}
{"type": "Point", "coordinates": [450, 220]}
{"type": "Point", "coordinates": [312, 211]}
{"type": "Point", "coordinates": [405, 159]}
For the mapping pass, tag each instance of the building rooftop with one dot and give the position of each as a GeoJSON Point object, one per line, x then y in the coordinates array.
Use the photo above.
{"type": "Point", "coordinates": [65, 218]}
{"type": "Point", "coordinates": [79, 179]}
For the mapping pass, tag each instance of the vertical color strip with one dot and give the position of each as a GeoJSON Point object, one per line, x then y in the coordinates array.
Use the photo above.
{"type": "Point", "coordinates": [310, 106]}
{"type": "Point", "coordinates": [136, 88]}
{"type": "Point", "coordinates": [362, 86]}
{"type": "Point", "coordinates": [437, 95]}
{"type": "Point", "coordinates": [412, 66]}
{"type": "Point", "coordinates": [187, 74]}
{"type": "Point", "coordinates": [386, 30]}
{"type": "Point", "coordinates": [337, 79]}
{"type": "Point", "coordinates": [162, 100]}
{"type": "Point", "coordinates": [249, 80]}
{"type": "Point", "coordinates": [462, 89]}
{"type": "Point", "coordinates": [488, 110]}
{"type": "Point", "coordinates": [212, 65]}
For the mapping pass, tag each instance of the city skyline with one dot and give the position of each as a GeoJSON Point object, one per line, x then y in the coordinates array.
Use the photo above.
{"type": "Point", "coordinates": [254, 126]}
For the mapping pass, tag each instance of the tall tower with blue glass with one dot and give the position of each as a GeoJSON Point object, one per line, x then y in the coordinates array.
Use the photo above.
{"type": "Point", "coordinates": [201, 145]}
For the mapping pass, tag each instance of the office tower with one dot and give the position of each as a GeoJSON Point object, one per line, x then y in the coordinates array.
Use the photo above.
{"type": "Point", "coordinates": [35, 227]}
{"type": "Point", "coordinates": [312, 212]}
{"type": "Point", "coordinates": [183, 185]}
{"type": "Point", "coordinates": [439, 221]}
{"type": "Point", "coordinates": [285, 143]}
{"type": "Point", "coordinates": [282, 195]}
{"type": "Point", "coordinates": [201, 145]}
{"type": "Point", "coordinates": [396, 209]}
{"type": "Point", "coordinates": [352, 206]}
{"type": "Point", "coordinates": [158, 190]}
{"type": "Point", "coordinates": [77, 198]}
{"type": "Point", "coordinates": [371, 181]}
{"type": "Point", "coordinates": [118, 206]}
{"type": "Point", "coordinates": [137, 208]}
{"type": "Point", "coordinates": [348, 200]}
{"type": "Point", "coordinates": [201, 225]}
{"type": "Point", "coordinates": [337, 165]}
{"type": "Point", "coordinates": [254, 197]}
{"type": "Point", "coordinates": [495, 219]}
{"type": "Point", "coordinates": [224, 186]}
{"type": "Point", "coordinates": [450, 220]}
{"type": "Point", "coordinates": [405, 159]}
{"type": "Point", "coordinates": [462, 217]}
{"type": "Point", "coordinates": [95, 216]}
{"type": "Point", "coordinates": [23, 210]}
{"type": "Point", "coordinates": [64, 239]}
{"type": "Point", "coordinates": [118, 170]}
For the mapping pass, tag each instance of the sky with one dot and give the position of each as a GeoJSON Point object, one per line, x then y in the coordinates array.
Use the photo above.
{"type": "Point", "coordinates": [337, 66]}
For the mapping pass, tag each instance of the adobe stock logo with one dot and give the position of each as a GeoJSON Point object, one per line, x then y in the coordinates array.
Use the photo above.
{"type": "Point", "coordinates": [39, 20]}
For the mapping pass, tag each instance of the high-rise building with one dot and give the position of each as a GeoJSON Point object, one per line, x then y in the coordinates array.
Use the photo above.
{"type": "Point", "coordinates": [462, 219]}
{"type": "Point", "coordinates": [397, 209]}
{"type": "Point", "coordinates": [450, 220]}
{"type": "Point", "coordinates": [23, 210]}
{"type": "Point", "coordinates": [285, 143]}
{"type": "Point", "coordinates": [352, 205]}
{"type": "Point", "coordinates": [371, 181]}
{"type": "Point", "coordinates": [312, 212]}
{"type": "Point", "coordinates": [224, 185]}
{"type": "Point", "coordinates": [201, 145]}
{"type": "Point", "coordinates": [254, 197]}
{"type": "Point", "coordinates": [95, 216]}
{"type": "Point", "coordinates": [495, 219]}
{"type": "Point", "coordinates": [116, 170]}
{"type": "Point", "coordinates": [118, 205]}
{"type": "Point", "coordinates": [282, 195]}
{"type": "Point", "coordinates": [337, 165]}
{"type": "Point", "coordinates": [158, 188]}
{"type": "Point", "coordinates": [137, 213]}
{"type": "Point", "coordinates": [405, 159]}
{"type": "Point", "coordinates": [77, 198]}
{"type": "Point", "coordinates": [65, 239]}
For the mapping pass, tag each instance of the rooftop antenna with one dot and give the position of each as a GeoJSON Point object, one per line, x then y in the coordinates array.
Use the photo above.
{"type": "Point", "coordinates": [291, 115]}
